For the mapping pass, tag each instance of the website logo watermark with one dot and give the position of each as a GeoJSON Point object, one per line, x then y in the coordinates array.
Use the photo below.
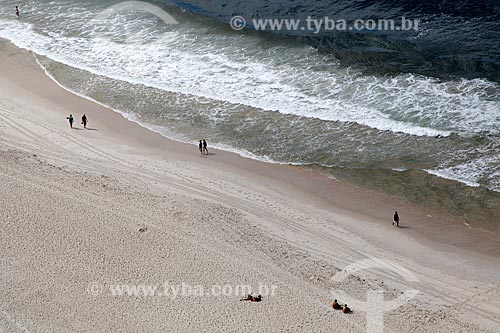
{"type": "Point", "coordinates": [183, 290]}
{"type": "Point", "coordinates": [238, 23]}
{"type": "Point", "coordinates": [325, 24]}
{"type": "Point", "coordinates": [375, 304]}
{"type": "Point", "coordinates": [103, 20]}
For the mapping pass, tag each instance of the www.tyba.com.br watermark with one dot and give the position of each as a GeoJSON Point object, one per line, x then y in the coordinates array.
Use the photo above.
{"type": "Point", "coordinates": [310, 25]}
{"type": "Point", "coordinates": [182, 290]}
{"type": "Point", "coordinates": [317, 25]}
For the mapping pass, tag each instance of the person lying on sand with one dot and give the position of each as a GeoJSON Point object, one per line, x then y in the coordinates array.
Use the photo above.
{"type": "Point", "coordinates": [346, 309]}
{"type": "Point", "coordinates": [336, 305]}
{"type": "Point", "coordinates": [252, 298]}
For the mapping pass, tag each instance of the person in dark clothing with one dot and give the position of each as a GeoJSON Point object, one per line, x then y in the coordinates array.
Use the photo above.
{"type": "Point", "coordinates": [71, 120]}
{"type": "Point", "coordinates": [205, 146]}
{"type": "Point", "coordinates": [17, 12]}
{"type": "Point", "coordinates": [395, 220]}
{"type": "Point", "coordinates": [84, 121]}
{"type": "Point", "coordinates": [200, 147]}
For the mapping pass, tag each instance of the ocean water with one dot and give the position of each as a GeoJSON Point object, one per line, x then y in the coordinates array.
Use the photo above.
{"type": "Point", "coordinates": [421, 100]}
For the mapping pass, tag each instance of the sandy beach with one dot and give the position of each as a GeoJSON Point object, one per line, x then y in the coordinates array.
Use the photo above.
{"type": "Point", "coordinates": [85, 211]}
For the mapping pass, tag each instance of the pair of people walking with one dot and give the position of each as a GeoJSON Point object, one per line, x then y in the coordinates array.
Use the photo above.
{"type": "Point", "coordinates": [71, 120]}
{"type": "Point", "coordinates": [202, 146]}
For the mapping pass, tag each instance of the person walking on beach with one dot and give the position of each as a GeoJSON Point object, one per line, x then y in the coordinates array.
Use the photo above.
{"type": "Point", "coordinates": [17, 12]}
{"type": "Point", "coordinates": [70, 119]}
{"type": "Point", "coordinates": [84, 121]}
{"type": "Point", "coordinates": [200, 147]}
{"type": "Point", "coordinates": [395, 219]}
{"type": "Point", "coordinates": [205, 147]}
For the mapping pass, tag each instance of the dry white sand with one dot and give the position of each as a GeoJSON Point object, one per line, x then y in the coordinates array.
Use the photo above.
{"type": "Point", "coordinates": [73, 204]}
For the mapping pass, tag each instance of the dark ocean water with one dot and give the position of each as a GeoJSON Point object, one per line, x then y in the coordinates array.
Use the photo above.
{"type": "Point", "coordinates": [456, 38]}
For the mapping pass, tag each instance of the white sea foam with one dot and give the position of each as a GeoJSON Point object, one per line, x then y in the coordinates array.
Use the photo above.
{"type": "Point", "coordinates": [471, 172]}
{"type": "Point", "coordinates": [447, 174]}
{"type": "Point", "coordinates": [272, 80]}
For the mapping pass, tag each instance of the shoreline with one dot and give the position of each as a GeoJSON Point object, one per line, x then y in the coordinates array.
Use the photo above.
{"type": "Point", "coordinates": [420, 220]}
{"type": "Point", "coordinates": [471, 206]}
{"type": "Point", "coordinates": [248, 220]}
